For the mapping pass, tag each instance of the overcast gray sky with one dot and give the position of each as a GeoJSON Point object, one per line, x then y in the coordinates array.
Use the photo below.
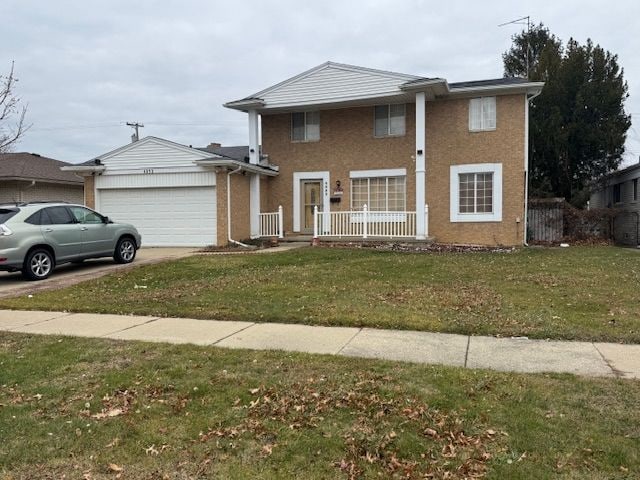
{"type": "Point", "coordinates": [87, 67]}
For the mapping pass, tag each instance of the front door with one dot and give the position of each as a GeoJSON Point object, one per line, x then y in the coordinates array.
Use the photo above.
{"type": "Point", "coordinates": [311, 197]}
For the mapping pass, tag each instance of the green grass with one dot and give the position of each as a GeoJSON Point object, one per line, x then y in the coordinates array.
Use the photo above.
{"type": "Point", "coordinates": [583, 293]}
{"type": "Point", "coordinates": [197, 412]}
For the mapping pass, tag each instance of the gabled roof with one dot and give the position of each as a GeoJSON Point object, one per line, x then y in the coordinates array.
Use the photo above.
{"type": "Point", "coordinates": [332, 85]}
{"type": "Point", "coordinates": [31, 166]}
{"type": "Point", "coordinates": [98, 160]}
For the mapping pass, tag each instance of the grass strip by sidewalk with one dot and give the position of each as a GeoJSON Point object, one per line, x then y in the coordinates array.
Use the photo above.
{"type": "Point", "coordinates": [579, 293]}
{"type": "Point", "coordinates": [88, 408]}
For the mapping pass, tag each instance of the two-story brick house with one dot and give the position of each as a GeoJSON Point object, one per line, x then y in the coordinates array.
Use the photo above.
{"type": "Point", "coordinates": [338, 151]}
{"type": "Point", "coordinates": [435, 159]}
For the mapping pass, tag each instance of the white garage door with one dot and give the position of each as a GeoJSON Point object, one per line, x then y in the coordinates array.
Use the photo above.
{"type": "Point", "coordinates": [169, 216]}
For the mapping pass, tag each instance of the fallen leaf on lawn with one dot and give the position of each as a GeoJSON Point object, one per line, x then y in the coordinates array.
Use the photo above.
{"type": "Point", "coordinates": [113, 443]}
{"type": "Point", "coordinates": [114, 412]}
{"type": "Point", "coordinates": [430, 432]}
{"type": "Point", "coordinates": [115, 468]}
{"type": "Point", "coordinates": [151, 450]}
{"type": "Point", "coordinates": [253, 391]}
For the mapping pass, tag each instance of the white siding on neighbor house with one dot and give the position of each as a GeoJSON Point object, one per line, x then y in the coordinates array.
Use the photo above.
{"type": "Point", "coordinates": [183, 179]}
{"type": "Point", "coordinates": [626, 225]}
{"type": "Point", "coordinates": [334, 84]}
{"type": "Point", "coordinates": [172, 216]}
{"type": "Point", "coordinates": [151, 153]}
{"type": "Point", "coordinates": [40, 192]}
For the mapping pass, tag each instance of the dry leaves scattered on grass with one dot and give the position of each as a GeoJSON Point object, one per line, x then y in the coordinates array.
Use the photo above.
{"type": "Point", "coordinates": [446, 448]}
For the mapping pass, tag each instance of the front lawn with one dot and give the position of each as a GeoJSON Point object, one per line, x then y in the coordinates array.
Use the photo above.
{"type": "Point", "coordinates": [585, 293]}
{"type": "Point", "coordinates": [93, 409]}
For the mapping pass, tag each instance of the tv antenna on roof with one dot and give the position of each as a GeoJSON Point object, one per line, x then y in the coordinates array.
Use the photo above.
{"type": "Point", "coordinates": [522, 21]}
{"type": "Point", "coordinates": [135, 137]}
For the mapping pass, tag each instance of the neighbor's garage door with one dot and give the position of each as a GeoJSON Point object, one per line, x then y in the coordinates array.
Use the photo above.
{"type": "Point", "coordinates": [168, 216]}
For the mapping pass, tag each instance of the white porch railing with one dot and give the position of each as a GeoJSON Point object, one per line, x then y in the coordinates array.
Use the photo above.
{"type": "Point", "coordinates": [271, 224]}
{"type": "Point", "coordinates": [365, 224]}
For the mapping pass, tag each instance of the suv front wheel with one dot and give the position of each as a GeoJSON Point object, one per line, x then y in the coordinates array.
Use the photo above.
{"type": "Point", "coordinates": [38, 265]}
{"type": "Point", "coordinates": [125, 250]}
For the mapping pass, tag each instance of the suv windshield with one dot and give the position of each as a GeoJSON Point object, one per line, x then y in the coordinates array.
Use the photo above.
{"type": "Point", "coordinates": [7, 213]}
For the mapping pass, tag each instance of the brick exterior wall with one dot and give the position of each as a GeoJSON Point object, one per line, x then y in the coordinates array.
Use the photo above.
{"type": "Point", "coordinates": [347, 143]}
{"type": "Point", "coordinates": [90, 191]}
{"type": "Point", "coordinates": [240, 221]}
{"type": "Point", "coordinates": [21, 191]}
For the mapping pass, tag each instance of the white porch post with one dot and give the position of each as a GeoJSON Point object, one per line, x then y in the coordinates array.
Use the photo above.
{"type": "Point", "coordinates": [421, 143]}
{"type": "Point", "coordinates": [254, 185]}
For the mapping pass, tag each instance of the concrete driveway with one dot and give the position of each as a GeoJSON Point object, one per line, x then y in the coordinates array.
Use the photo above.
{"type": "Point", "coordinates": [12, 284]}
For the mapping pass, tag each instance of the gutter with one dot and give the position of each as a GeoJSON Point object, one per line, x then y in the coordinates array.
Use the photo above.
{"type": "Point", "coordinates": [248, 167]}
{"type": "Point", "coordinates": [526, 183]}
{"type": "Point", "coordinates": [229, 239]}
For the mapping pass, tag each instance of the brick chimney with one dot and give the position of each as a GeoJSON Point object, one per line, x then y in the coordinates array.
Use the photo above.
{"type": "Point", "coordinates": [213, 146]}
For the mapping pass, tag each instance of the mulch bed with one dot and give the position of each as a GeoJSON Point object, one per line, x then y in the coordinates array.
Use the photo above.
{"type": "Point", "coordinates": [420, 247]}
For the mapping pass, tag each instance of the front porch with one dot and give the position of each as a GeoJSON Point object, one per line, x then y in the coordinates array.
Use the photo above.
{"type": "Point", "coordinates": [358, 225]}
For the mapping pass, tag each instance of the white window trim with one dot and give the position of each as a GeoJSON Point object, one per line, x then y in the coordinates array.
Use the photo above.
{"type": "Point", "coordinates": [297, 208]}
{"type": "Point", "coordinates": [389, 134]}
{"type": "Point", "coordinates": [455, 171]}
{"type": "Point", "coordinates": [482, 127]}
{"type": "Point", "coordinates": [306, 139]}
{"type": "Point", "coordinates": [379, 173]}
{"type": "Point", "coordinates": [388, 172]}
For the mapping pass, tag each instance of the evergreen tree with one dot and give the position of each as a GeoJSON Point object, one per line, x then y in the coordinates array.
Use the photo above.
{"type": "Point", "coordinates": [578, 124]}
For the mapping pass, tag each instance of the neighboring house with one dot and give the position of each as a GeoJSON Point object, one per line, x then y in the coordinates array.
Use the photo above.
{"type": "Point", "coordinates": [29, 177]}
{"type": "Point", "coordinates": [174, 194]}
{"type": "Point", "coordinates": [620, 190]}
{"type": "Point", "coordinates": [343, 137]}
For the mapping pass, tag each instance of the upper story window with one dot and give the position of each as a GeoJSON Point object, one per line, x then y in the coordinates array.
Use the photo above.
{"type": "Point", "coordinates": [617, 193]}
{"type": "Point", "coordinates": [482, 114]}
{"type": "Point", "coordinates": [389, 120]}
{"type": "Point", "coordinates": [305, 126]}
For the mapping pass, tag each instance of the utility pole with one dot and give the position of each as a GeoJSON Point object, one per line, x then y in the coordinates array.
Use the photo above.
{"type": "Point", "coordinates": [135, 137]}
{"type": "Point", "coordinates": [521, 21]}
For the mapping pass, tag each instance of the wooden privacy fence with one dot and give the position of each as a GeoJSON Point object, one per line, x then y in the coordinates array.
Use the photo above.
{"type": "Point", "coordinates": [545, 220]}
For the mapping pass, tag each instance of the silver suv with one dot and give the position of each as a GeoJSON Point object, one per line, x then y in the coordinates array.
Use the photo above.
{"type": "Point", "coordinates": [35, 237]}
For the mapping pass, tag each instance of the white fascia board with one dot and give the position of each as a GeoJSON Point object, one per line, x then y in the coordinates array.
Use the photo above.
{"type": "Point", "coordinates": [83, 168]}
{"type": "Point", "coordinates": [528, 88]}
{"type": "Point", "coordinates": [247, 167]}
{"type": "Point", "coordinates": [245, 105]}
{"type": "Point", "coordinates": [383, 172]}
{"type": "Point", "coordinates": [345, 102]}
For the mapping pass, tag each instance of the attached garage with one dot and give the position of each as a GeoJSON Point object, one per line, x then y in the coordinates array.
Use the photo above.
{"type": "Point", "coordinates": [157, 186]}
{"type": "Point", "coordinates": [176, 195]}
{"type": "Point", "coordinates": [165, 216]}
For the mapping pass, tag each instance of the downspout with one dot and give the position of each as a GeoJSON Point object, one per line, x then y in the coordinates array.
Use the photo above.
{"type": "Point", "coordinates": [526, 166]}
{"type": "Point", "coordinates": [229, 239]}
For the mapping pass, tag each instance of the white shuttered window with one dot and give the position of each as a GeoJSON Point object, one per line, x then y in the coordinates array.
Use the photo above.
{"type": "Point", "coordinates": [482, 114]}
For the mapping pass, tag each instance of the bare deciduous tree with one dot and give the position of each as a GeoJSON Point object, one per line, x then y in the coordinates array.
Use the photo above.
{"type": "Point", "coordinates": [12, 114]}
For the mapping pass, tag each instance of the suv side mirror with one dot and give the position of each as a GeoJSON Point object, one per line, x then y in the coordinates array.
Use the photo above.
{"type": "Point", "coordinates": [106, 220]}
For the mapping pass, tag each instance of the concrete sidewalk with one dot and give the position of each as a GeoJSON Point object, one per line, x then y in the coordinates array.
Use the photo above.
{"type": "Point", "coordinates": [506, 354]}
